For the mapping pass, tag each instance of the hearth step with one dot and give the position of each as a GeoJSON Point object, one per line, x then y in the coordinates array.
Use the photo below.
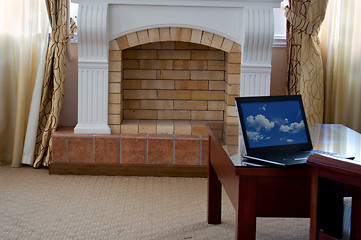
{"type": "Point", "coordinates": [129, 154]}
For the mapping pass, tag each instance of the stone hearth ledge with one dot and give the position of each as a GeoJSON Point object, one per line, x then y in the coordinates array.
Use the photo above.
{"type": "Point", "coordinates": [129, 154]}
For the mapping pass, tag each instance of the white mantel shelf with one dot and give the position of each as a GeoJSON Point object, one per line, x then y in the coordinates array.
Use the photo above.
{"type": "Point", "coordinates": [197, 3]}
{"type": "Point", "coordinates": [248, 23]}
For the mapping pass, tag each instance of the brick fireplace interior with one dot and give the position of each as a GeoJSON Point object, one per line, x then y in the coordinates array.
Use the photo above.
{"type": "Point", "coordinates": [169, 82]}
{"type": "Point", "coordinates": [173, 87]}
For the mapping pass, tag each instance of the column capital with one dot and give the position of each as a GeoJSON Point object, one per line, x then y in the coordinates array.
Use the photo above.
{"type": "Point", "coordinates": [93, 32]}
{"type": "Point", "coordinates": [257, 51]}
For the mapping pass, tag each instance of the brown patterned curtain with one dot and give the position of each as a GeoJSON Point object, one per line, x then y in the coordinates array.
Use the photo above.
{"type": "Point", "coordinates": [54, 76]}
{"type": "Point", "coordinates": [305, 70]}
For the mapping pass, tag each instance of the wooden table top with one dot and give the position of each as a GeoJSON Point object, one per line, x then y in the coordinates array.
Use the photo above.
{"type": "Point", "coordinates": [334, 138]}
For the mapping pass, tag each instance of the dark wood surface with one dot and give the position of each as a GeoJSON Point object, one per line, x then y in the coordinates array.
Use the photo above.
{"type": "Point", "coordinates": [255, 192]}
{"type": "Point", "coordinates": [214, 197]}
{"type": "Point", "coordinates": [268, 191]}
{"type": "Point", "coordinates": [325, 218]}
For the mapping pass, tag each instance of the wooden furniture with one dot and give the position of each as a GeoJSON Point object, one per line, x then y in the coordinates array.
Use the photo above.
{"type": "Point", "coordinates": [267, 191]}
{"type": "Point", "coordinates": [338, 171]}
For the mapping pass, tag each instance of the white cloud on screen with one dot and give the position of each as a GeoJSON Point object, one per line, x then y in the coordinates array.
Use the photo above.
{"type": "Point", "coordinates": [263, 108]}
{"type": "Point", "coordinates": [255, 136]}
{"type": "Point", "coordinates": [260, 121]}
{"type": "Point", "coordinates": [293, 127]}
{"type": "Point", "coordinates": [287, 140]}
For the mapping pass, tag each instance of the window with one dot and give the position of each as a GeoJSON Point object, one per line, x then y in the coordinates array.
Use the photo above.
{"type": "Point", "coordinates": [280, 25]}
{"type": "Point", "coordinates": [74, 16]}
{"type": "Point", "coordinates": [23, 18]}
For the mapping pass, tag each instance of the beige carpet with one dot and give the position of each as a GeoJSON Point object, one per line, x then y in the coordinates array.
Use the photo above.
{"type": "Point", "coordinates": [35, 205]}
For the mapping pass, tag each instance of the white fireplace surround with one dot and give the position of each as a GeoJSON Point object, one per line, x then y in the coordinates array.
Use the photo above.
{"type": "Point", "coordinates": [246, 22]}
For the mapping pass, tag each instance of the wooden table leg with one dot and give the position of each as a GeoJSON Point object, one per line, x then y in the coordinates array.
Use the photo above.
{"type": "Point", "coordinates": [356, 214]}
{"type": "Point", "coordinates": [330, 207]}
{"type": "Point", "coordinates": [246, 209]}
{"type": "Point", "coordinates": [214, 197]}
{"type": "Point", "coordinates": [313, 207]}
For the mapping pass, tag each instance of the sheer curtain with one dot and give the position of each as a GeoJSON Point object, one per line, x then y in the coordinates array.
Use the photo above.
{"type": "Point", "coordinates": [341, 53]}
{"type": "Point", "coordinates": [24, 28]}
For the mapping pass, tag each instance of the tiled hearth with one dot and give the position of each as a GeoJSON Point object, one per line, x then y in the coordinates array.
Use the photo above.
{"type": "Point", "coordinates": [130, 154]}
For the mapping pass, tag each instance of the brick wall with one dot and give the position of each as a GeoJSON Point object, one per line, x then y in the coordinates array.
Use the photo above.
{"type": "Point", "coordinates": [173, 80]}
{"type": "Point", "coordinates": [161, 74]}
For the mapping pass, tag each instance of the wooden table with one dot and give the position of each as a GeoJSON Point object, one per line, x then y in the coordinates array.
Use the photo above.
{"type": "Point", "coordinates": [268, 191]}
{"type": "Point", "coordinates": [326, 172]}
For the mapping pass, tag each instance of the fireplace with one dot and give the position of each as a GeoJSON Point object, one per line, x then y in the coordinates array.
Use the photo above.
{"type": "Point", "coordinates": [152, 73]}
{"type": "Point", "coordinates": [241, 31]}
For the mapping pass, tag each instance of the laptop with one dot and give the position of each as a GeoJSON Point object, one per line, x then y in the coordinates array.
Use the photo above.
{"type": "Point", "coordinates": [275, 130]}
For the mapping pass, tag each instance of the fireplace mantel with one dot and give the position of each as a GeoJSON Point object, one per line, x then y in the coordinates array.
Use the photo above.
{"type": "Point", "coordinates": [248, 23]}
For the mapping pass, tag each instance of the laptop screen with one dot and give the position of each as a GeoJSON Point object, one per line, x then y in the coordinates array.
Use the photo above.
{"type": "Point", "coordinates": [273, 122]}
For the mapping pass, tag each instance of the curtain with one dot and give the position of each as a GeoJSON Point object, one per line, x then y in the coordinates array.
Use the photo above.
{"type": "Point", "coordinates": [24, 29]}
{"type": "Point", "coordinates": [305, 72]}
{"type": "Point", "coordinates": [341, 52]}
{"type": "Point", "coordinates": [53, 86]}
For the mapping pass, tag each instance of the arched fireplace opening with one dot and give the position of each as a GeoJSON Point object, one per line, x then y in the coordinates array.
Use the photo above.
{"type": "Point", "coordinates": [174, 86]}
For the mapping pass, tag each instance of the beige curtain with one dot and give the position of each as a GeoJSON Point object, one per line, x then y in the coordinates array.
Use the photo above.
{"type": "Point", "coordinates": [305, 74]}
{"type": "Point", "coordinates": [24, 29]}
{"type": "Point", "coordinates": [341, 52]}
{"type": "Point", "coordinates": [53, 86]}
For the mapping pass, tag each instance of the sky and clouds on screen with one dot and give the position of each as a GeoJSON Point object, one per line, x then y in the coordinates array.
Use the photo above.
{"type": "Point", "coordinates": [274, 123]}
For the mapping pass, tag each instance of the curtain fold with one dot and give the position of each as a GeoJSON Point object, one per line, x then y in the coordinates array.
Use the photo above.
{"type": "Point", "coordinates": [341, 52]}
{"type": "Point", "coordinates": [24, 29]}
{"type": "Point", "coordinates": [305, 72]}
{"type": "Point", "coordinates": [53, 86]}
{"type": "Point", "coordinates": [30, 136]}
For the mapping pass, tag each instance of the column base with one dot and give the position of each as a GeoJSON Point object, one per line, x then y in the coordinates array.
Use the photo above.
{"type": "Point", "coordinates": [92, 128]}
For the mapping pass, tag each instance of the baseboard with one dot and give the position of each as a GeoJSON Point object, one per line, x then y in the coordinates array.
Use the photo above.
{"type": "Point", "coordinates": [128, 170]}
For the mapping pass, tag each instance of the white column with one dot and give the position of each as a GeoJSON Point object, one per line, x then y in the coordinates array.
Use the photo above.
{"type": "Point", "coordinates": [93, 68]}
{"type": "Point", "coordinates": [257, 52]}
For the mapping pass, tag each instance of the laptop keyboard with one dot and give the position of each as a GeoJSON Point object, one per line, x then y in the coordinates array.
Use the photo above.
{"type": "Point", "coordinates": [285, 155]}
{"type": "Point", "coordinates": [297, 156]}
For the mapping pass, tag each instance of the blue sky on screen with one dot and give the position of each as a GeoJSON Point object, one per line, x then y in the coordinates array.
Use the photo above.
{"type": "Point", "coordinates": [274, 123]}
